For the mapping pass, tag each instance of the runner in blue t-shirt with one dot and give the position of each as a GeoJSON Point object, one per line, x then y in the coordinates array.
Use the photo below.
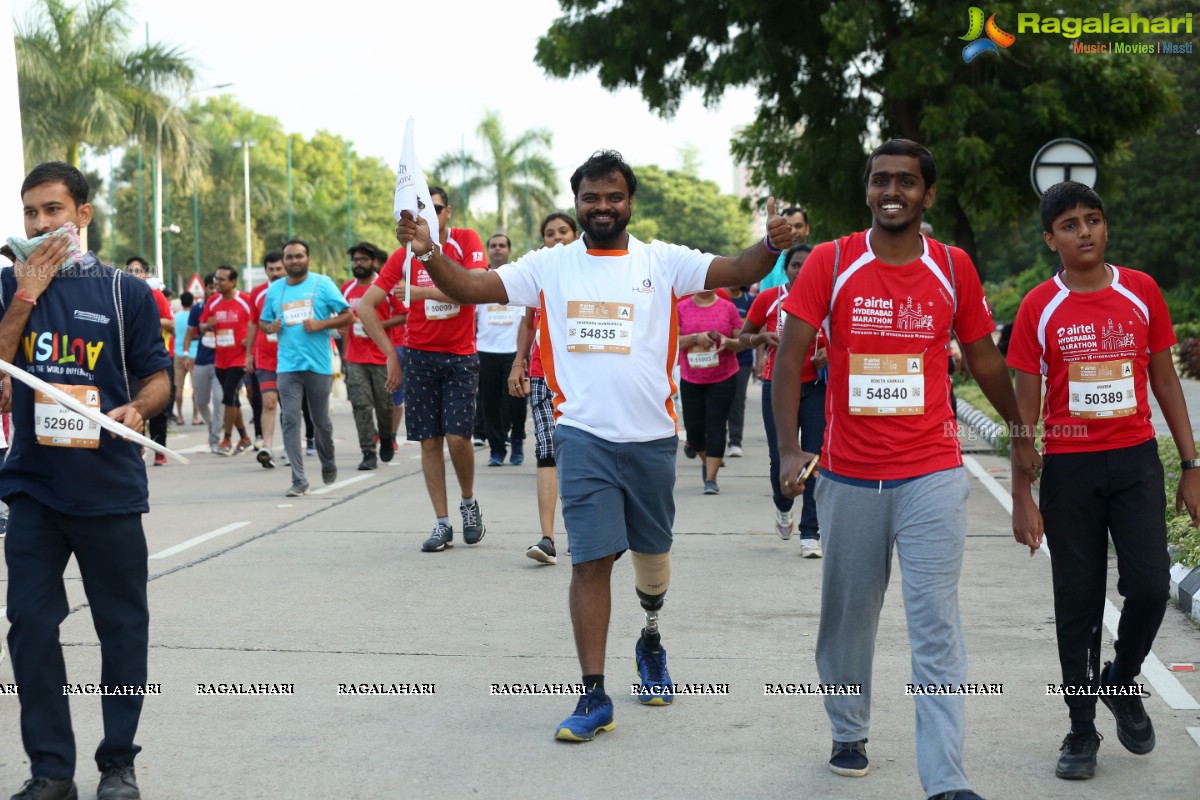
{"type": "Point", "coordinates": [304, 309]}
{"type": "Point", "coordinates": [95, 333]}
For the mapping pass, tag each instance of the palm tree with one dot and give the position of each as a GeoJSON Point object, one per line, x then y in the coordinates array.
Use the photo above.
{"type": "Point", "coordinates": [519, 171]}
{"type": "Point", "coordinates": [81, 83]}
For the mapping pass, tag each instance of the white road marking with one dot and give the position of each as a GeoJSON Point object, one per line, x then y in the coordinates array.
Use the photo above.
{"type": "Point", "coordinates": [1195, 734]}
{"type": "Point", "coordinates": [204, 537]}
{"type": "Point", "coordinates": [1168, 687]}
{"type": "Point", "coordinates": [340, 484]}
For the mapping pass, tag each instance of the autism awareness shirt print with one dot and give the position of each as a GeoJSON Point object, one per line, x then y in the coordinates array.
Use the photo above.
{"type": "Point", "coordinates": [996, 38]}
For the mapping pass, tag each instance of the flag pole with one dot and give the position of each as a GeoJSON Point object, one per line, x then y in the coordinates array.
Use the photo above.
{"type": "Point", "coordinates": [408, 275]}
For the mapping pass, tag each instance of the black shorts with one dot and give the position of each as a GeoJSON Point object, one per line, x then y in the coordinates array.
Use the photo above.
{"type": "Point", "coordinates": [231, 379]}
{"type": "Point", "coordinates": [439, 393]}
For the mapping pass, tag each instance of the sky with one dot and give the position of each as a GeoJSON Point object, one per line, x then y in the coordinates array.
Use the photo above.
{"type": "Point", "coordinates": [360, 74]}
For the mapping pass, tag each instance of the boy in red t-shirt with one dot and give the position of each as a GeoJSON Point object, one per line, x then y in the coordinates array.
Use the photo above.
{"type": "Point", "coordinates": [1100, 334]}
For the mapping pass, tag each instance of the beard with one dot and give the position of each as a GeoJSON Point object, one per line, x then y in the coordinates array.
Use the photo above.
{"type": "Point", "coordinates": [360, 272]}
{"type": "Point", "coordinates": [607, 232]}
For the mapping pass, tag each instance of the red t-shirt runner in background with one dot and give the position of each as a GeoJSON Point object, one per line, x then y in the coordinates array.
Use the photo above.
{"type": "Point", "coordinates": [765, 313]}
{"type": "Point", "coordinates": [890, 324]}
{"type": "Point", "coordinates": [164, 312]}
{"type": "Point", "coordinates": [231, 319]}
{"type": "Point", "coordinates": [266, 346]}
{"type": "Point", "coordinates": [455, 334]}
{"type": "Point", "coordinates": [1105, 338]}
{"type": "Point", "coordinates": [360, 348]}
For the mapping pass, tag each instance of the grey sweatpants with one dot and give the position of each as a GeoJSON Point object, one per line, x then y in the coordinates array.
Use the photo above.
{"type": "Point", "coordinates": [292, 388]}
{"type": "Point", "coordinates": [926, 519]}
{"type": "Point", "coordinates": [208, 397]}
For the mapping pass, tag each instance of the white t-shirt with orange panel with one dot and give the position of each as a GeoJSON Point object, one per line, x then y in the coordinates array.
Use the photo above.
{"type": "Point", "coordinates": [609, 331]}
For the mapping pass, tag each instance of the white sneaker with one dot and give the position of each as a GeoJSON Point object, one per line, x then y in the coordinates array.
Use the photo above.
{"type": "Point", "coordinates": [734, 451]}
{"type": "Point", "coordinates": [810, 548]}
{"type": "Point", "coordinates": [783, 524]}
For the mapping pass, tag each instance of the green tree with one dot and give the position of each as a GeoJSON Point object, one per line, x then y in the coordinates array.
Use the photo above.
{"type": "Point", "coordinates": [833, 78]}
{"type": "Point", "coordinates": [676, 206]}
{"type": "Point", "coordinates": [319, 195]}
{"type": "Point", "coordinates": [81, 83]}
{"type": "Point", "coordinates": [519, 171]}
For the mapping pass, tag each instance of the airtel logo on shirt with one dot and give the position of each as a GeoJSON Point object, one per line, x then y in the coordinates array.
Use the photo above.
{"type": "Point", "coordinates": [1077, 330]}
{"type": "Point", "coordinates": [872, 302]}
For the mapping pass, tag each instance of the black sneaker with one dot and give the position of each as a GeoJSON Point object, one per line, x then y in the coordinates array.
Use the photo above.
{"type": "Point", "coordinates": [1135, 732]}
{"type": "Point", "coordinates": [441, 538]}
{"type": "Point", "coordinates": [265, 458]}
{"type": "Point", "coordinates": [473, 527]}
{"type": "Point", "coordinates": [368, 462]}
{"type": "Point", "coordinates": [47, 789]}
{"type": "Point", "coordinates": [328, 475]}
{"type": "Point", "coordinates": [118, 783]}
{"type": "Point", "coordinates": [850, 759]}
{"type": "Point", "coordinates": [387, 447]}
{"type": "Point", "coordinates": [1077, 759]}
{"type": "Point", "coordinates": [543, 551]}
{"type": "Point", "coordinates": [961, 794]}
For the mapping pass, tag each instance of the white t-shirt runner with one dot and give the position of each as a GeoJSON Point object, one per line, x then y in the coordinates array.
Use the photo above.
{"type": "Point", "coordinates": [609, 331]}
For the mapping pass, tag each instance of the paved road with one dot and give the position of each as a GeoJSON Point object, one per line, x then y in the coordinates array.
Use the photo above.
{"type": "Point", "coordinates": [332, 589]}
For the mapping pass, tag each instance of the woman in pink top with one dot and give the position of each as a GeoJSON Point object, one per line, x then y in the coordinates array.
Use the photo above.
{"type": "Point", "coordinates": [708, 342]}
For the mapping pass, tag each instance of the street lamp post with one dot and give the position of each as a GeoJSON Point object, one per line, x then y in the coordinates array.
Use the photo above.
{"type": "Point", "coordinates": [245, 144]}
{"type": "Point", "coordinates": [158, 181]}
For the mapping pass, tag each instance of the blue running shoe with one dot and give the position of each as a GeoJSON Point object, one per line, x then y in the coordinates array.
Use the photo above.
{"type": "Point", "coordinates": [656, 688]}
{"type": "Point", "coordinates": [593, 713]}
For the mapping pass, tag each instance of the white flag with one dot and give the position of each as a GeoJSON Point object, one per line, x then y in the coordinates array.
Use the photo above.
{"type": "Point", "coordinates": [412, 191]}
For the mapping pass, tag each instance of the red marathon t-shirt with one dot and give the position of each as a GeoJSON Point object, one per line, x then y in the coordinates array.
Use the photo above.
{"type": "Point", "coordinates": [767, 313]}
{"type": "Point", "coordinates": [1094, 349]}
{"type": "Point", "coordinates": [888, 413]}
{"type": "Point", "coordinates": [266, 345]}
{"type": "Point", "coordinates": [231, 319]}
{"type": "Point", "coordinates": [360, 348]}
{"type": "Point", "coordinates": [433, 325]}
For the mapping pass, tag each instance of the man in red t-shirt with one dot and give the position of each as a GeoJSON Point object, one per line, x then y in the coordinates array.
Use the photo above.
{"type": "Point", "coordinates": [889, 299]}
{"type": "Point", "coordinates": [262, 355]}
{"type": "Point", "coordinates": [441, 370]}
{"type": "Point", "coordinates": [229, 319]}
{"type": "Point", "coordinates": [399, 335]}
{"type": "Point", "coordinates": [137, 267]}
{"type": "Point", "coordinates": [366, 363]}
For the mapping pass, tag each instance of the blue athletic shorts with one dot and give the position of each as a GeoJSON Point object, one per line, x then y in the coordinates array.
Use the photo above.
{"type": "Point", "coordinates": [597, 479]}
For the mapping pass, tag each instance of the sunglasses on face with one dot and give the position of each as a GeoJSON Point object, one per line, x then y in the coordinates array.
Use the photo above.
{"type": "Point", "coordinates": [438, 209]}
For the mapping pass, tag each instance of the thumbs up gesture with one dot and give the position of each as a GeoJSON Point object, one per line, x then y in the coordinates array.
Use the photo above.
{"type": "Point", "coordinates": [779, 232]}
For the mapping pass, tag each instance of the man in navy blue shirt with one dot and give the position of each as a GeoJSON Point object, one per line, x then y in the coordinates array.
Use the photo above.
{"type": "Point", "coordinates": [93, 332]}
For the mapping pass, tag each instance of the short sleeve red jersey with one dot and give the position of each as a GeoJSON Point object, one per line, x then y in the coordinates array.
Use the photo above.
{"type": "Point", "coordinates": [360, 348]}
{"type": "Point", "coordinates": [433, 325]}
{"type": "Point", "coordinates": [231, 319]}
{"type": "Point", "coordinates": [1094, 349]}
{"type": "Point", "coordinates": [888, 407]}
{"type": "Point", "coordinates": [535, 352]}
{"type": "Point", "coordinates": [398, 333]}
{"type": "Point", "coordinates": [767, 313]}
{"type": "Point", "coordinates": [266, 346]}
{"type": "Point", "coordinates": [164, 312]}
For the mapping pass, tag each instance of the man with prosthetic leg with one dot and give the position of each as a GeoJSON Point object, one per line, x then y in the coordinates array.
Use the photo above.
{"type": "Point", "coordinates": [608, 333]}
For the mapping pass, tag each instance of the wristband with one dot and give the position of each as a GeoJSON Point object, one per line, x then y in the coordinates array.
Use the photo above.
{"type": "Point", "coordinates": [767, 244]}
{"type": "Point", "coordinates": [20, 295]}
{"type": "Point", "coordinates": [1191, 463]}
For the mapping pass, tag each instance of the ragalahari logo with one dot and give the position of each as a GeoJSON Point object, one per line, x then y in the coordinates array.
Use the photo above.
{"type": "Point", "coordinates": [996, 38]}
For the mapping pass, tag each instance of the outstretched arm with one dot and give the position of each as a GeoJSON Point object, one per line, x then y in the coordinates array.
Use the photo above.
{"type": "Point", "coordinates": [755, 261]}
{"type": "Point", "coordinates": [470, 287]}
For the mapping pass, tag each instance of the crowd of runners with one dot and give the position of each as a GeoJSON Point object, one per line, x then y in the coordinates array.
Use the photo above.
{"type": "Point", "coordinates": [608, 343]}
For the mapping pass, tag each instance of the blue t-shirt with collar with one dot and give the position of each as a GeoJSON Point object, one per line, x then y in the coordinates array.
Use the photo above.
{"type": "Point", "coordinates": [73, 337]}
{"type": "Point", "coordinates": [299, 350]}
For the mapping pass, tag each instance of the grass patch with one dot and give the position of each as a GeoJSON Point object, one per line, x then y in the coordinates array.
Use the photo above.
{"type": "Point", "coordinates": [1183, 539]}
